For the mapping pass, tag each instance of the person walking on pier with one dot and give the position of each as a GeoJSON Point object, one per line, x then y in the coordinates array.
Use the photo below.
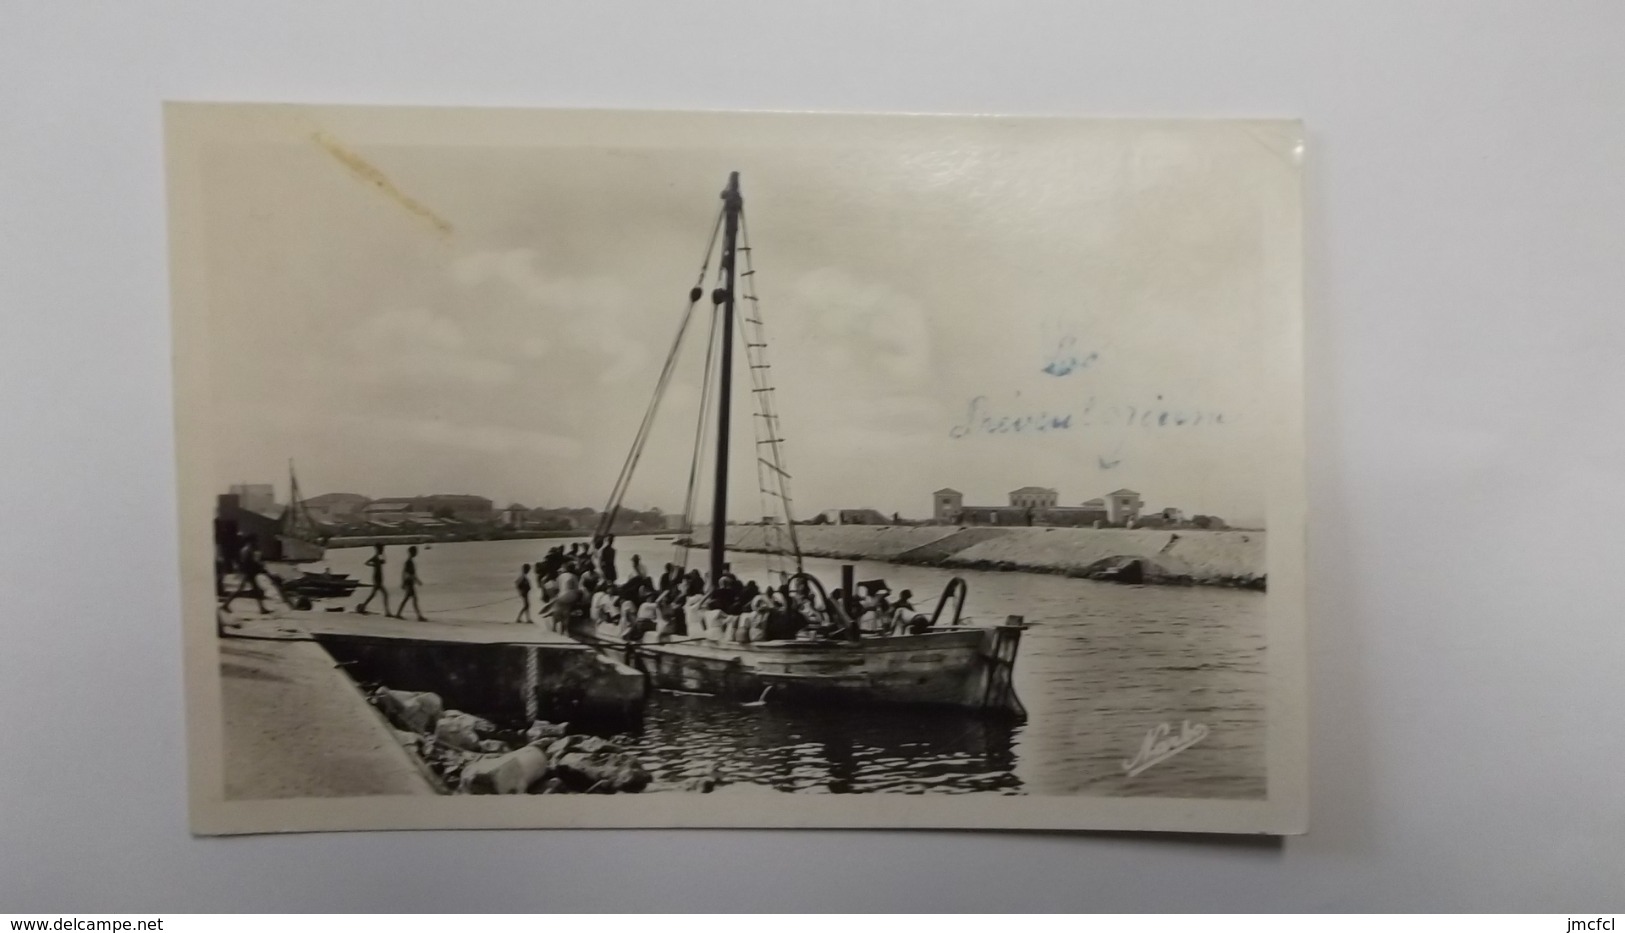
{"type": "Point", "coordinates": [409, 585]}
{"type": "Point", "coordinates": [523, 586]}
{"type": "Point", "coordinates": [376, 562]}
{"type": "Point", "coordinates": [250, 566]}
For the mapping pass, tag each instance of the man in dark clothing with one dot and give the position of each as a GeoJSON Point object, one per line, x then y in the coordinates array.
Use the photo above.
{"type": "Point", "coordinates": [552, 562]}
{"type": "Point", "coordinates": [606, 556]}
{"type": "Point", "coordinates": [226, 548]}
{"type": "Point", "coordinates": [523, 586]}
{"type": "Point", "coordinates": [409, 585]}
{"type": "Point", "coordinates": [639, 589]}
{"type": "Point", "coordinates": [784, 622]}
{"type": "Point", "coordinates": [376, 562]}
{"type": "Point", "coordinates": [249, 565]}
{"type": "Point", "coordinates": [725, 595]}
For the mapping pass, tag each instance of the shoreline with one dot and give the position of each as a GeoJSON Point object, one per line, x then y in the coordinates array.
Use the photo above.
{"type": "Point", "coordinates": [1178, 557]}
{"type": "Point", "coordinates": [340, 542]}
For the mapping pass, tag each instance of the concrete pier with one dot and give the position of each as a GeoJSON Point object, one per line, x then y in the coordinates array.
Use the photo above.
{"type": "Point", "coordinates": [295, 726]}
{"type": "Point", "coordinates": [298, 624]}
{"type": "Point", "coordinates": [497, 670]}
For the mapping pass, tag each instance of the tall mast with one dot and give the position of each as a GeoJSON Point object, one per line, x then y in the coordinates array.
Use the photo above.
{"type": "Point", "coordinates": [732, 205]}
{"type": "Point", "coordinates": [290, 518]}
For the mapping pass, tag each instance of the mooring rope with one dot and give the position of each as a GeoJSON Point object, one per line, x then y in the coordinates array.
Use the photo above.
{"type": "Point", "coordinates": [505, 599]}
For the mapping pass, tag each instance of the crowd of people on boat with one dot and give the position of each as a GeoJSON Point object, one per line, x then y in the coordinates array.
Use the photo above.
{"type": "Point", "coordinates": [580, 591]}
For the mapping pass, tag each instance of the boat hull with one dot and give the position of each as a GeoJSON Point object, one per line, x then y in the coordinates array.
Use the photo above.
{"type": "Point", "coordinates": [964, 668]}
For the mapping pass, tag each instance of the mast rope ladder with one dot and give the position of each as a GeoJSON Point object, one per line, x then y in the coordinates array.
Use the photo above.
{"type": "Point", "coordinates": [772, 478]}
{"type": "Point", "coordinates": [778, 520]}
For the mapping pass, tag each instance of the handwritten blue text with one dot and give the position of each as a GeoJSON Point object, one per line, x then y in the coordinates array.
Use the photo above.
{"type": "Point", "coordinates": [982, 417]}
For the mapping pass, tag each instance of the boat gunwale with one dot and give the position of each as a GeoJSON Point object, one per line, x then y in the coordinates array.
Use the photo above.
{"type": "Point", "coordinates": [790, 647]}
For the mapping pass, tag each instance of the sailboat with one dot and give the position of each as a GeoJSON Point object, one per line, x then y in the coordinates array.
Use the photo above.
{"type": "Point", "coordinates": [946, 663]}
{"type": "Point", "coordinates": [299, 540]}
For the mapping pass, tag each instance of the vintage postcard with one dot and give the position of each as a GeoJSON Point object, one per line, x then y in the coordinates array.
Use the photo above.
{"type": "Point", "coordinates": [634, 469]}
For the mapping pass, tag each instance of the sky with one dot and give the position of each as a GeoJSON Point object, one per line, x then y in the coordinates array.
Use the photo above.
{"type": "Point", "coordinates": [997, 304]}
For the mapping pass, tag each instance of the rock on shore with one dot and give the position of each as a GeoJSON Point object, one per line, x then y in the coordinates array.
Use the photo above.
{"type": "Point", "coordinates": [461, 751]}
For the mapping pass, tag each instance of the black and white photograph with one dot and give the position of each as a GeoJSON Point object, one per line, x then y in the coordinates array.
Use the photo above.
{"type": "Point", "coordinates": [593, 468]}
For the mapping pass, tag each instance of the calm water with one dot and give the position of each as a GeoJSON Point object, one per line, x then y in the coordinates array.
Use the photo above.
{"type": "Point", "coordinates": [1103, 665]}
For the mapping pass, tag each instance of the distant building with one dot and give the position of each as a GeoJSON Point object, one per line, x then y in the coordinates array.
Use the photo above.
{"type": "Point", "coordinates": [552, 520]}
{"type": "Point", "coordinates": [463, 508]}
{"type": "Point", "coordinates": [475, 510]}
{"type": "Point", "coordinates": [946, 504]}
{"type": "Point", "coordinates": [1123, 506]}
{"type": "Point", "coordinates": [854, 517]}
{"type": "Point", "coordinates": [336, 508]}
{"type": "Point", "coordinates": [994, 515]}
{"type": "Point", "coordinates": [1172, 516]}
{"type": "Point", "coordinates": [1034, 497]}
{"type": "Point", "coordinates": [514, 516]}
{"type": "Point", "coordinates": [256, 497]}
{"type": "Point", "coordinates": [1036, 505]}
{"type": "Point", "coordinates": [1028, 506]}
{"type": "Point", "coordinates": [235, 524]}
{"type": "Point", "coordinates": [1074, 516]}
{"type": "Point", "coordinates": [387, 511]}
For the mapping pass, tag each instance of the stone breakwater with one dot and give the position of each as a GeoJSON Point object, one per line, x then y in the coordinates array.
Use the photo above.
{"type": "Point", "coordinates": [468, 754]}
{"type": "Point", "coordinates": [1141, 555]}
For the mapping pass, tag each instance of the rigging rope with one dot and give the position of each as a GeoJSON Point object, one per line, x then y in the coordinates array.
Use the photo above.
{"type": "Point", "coordinates": [691, 500]}
{"type": "Point", "coordinates": [624, 480]}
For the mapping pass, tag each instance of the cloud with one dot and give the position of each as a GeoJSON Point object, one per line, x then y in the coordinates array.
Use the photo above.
{"type": "Point", "coordinates": [481, 438]}
{"type": "Point", "coordinates": [590, 314]}
{"type": "Point", "coordinates": [863, 328]}
{"type": "Point", "coordinates": [414, 343]}
{"type": "Point", "coordinates": [916, 408]}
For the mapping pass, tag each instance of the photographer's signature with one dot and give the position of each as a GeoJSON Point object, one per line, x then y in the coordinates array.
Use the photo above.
{"type": "Point", "coordinates": [1163, 743]}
